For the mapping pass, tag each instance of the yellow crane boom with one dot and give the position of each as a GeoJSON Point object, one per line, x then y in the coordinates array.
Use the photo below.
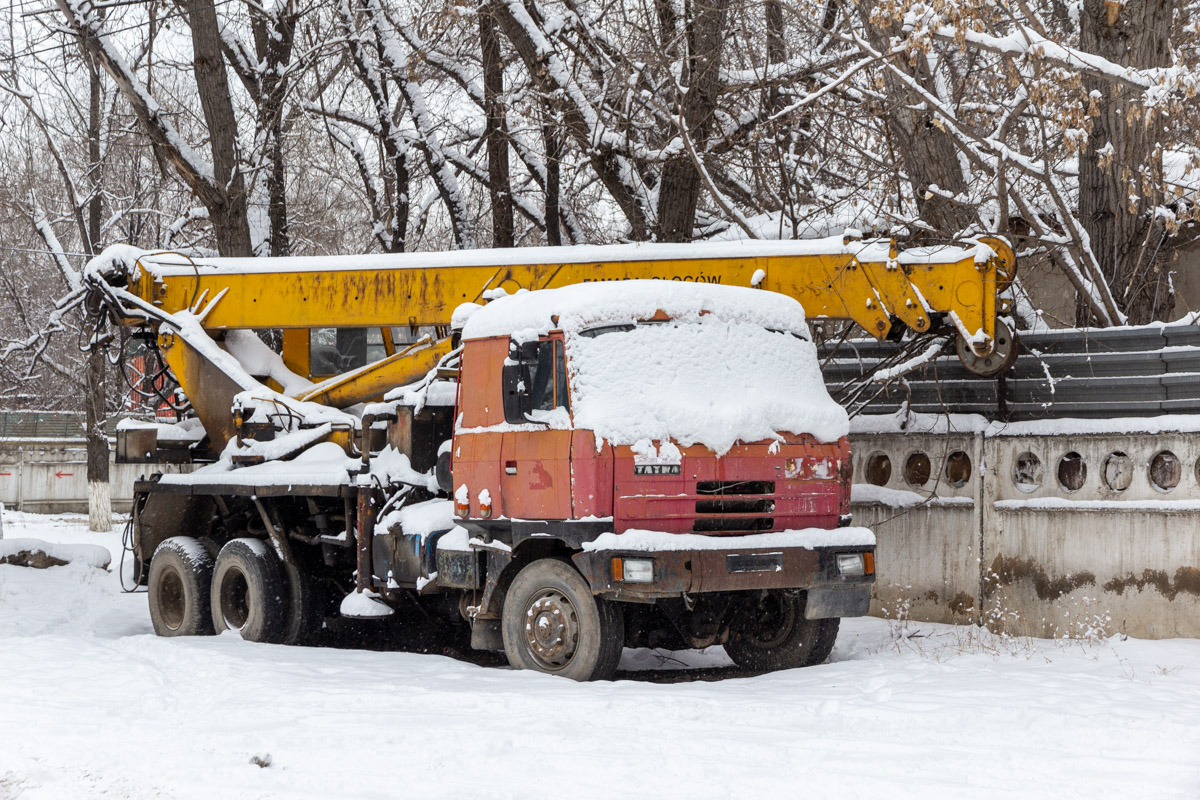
{"type": "Point", "coordinates": [871, 283]}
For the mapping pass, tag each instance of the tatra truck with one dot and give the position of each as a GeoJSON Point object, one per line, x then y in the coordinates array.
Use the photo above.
{"type": "Point", "coordinates": [568, 471]}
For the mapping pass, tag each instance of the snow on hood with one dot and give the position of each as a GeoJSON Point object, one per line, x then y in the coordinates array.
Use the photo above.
{"type": "Point", "coordinates": [707, 382]}
{"type": "Point", "coordinates": [587, 305]}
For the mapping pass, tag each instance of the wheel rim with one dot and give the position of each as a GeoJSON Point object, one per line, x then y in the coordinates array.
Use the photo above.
{"type": "Point", "coordinates": [171, 600]}
{"type": "Point", "coordinates": [551, 629]}
{"type": "Point", "coordinates": [235, 600]}
{"type": "Point", "coordinates": [1003, 355]}
{"type": "Point", "coordinates": [772, 622]}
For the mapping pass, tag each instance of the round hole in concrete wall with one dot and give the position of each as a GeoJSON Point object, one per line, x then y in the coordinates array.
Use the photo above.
{"type": "Point", "coordinates": [917, 469]}
{"type": "Point", "coordinates": [1165, 471]}
{"type": "Point", "coordinates": [958, 469]}
{"type": "Point", "coordinates": [879, 469]}
{"type": "Point", "coordinates": [1072, 472]}
{"type": "Point", "coordinates": [1117, 472]}
{"type": "Point", "coordinates": [1027, 472]}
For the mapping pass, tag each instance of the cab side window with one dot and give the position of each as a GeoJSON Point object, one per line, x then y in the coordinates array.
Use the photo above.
{"type": "Point", "coordinates": [534, 379]}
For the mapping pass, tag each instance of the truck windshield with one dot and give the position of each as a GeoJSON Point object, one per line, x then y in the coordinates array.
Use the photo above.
{"type": "Point", "coordinates": [708, 382]}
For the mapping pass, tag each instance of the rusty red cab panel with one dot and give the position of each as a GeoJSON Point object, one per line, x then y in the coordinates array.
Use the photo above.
{"type": "Point", "coordinates": [764, 486]}
{"type": "Point", "coordinates": [654, 522]}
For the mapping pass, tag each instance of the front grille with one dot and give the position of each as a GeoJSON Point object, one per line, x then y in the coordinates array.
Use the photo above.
{"type": "Point", "coordinates": [745, 499]}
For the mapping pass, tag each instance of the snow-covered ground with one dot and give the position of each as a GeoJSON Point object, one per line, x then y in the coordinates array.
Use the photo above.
{"type": "Point", "coordinates": [92, 704]}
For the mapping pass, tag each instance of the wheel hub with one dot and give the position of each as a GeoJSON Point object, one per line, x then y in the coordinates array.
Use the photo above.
{"type": "Point", "coordinates": [551, 629]}
{"type": "Point", "coordinates": [773, 621]}
{"type": "Point", "coordinates": [235, 600]}
{"type": "Point", "coordinates": [171, 600]}
{"type": "Point", "coordinates": [1003, 353]}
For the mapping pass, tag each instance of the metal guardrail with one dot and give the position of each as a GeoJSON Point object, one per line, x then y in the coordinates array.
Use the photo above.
{"type": "Point", "coordinates": [41, 425]}
{"type": "Point", "coordinates": [1122, 372]}
{"type": "Point", "coordinates": [1106, 372]}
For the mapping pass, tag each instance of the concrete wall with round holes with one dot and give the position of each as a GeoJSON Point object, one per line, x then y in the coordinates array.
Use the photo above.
{"type": "Point", "coordinates": [1045, 535]}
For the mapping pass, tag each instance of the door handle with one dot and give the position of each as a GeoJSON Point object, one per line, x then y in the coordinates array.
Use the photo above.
{"type": "Point", "coordinates": [510, 468]}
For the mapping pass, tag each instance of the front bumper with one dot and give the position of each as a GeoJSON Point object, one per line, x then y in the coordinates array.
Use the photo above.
{"type": "Point", "coordinates": [734, 569]}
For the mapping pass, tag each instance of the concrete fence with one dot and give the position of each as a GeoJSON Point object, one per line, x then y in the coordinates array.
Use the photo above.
{"type": "Point", "coordinates": [1049, 528]}
{"type": "Point", "coordinates": [50, 476]}
{"type": "Point", "coordinates": [1046, 527]}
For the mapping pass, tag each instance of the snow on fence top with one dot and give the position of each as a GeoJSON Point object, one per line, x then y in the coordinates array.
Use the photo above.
{"type": "Point", "coordinates": [161, 263]}
{"type": "Point", "coordinates": [528, 315]}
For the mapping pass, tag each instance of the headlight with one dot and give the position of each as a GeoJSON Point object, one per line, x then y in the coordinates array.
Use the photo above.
{"type": "Point", "coordinates": [851, 564]}
{"type": "Point", "coordinates": [633, 570]}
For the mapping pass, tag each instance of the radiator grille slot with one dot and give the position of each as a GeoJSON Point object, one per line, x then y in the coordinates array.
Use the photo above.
{"type": "Point", "coordinates": [740, 524]}
{"type": "Point", "coordinates": [735, 506]}
{"type": "Point", "coordinates": [735, 487]}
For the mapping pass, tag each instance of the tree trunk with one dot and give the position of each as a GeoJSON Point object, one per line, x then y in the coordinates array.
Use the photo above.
{"type": "Point", "coordinates": [495, 133]}
{"type": "Point", "coordinates": [274, 33]}
{"type": "Point", "coordinates": [553, 144]}
{"type": "Point", "coordinates": [610, 166]}
{"type": "Point", "coordinates": [99, 487]}
{"type": "Point", "coordinates": [1120, 168]}
{"type": "Point", "coordinates": [928, 155]}
{"type": "Point", "coordinates": [231, 227]}
{"type": "Point", "coordinates": [679, 185]}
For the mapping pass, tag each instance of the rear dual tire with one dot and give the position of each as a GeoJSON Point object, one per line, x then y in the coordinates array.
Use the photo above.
{"type": "Point", "coordinates": [248, 590]}
{"type": "Point", "coordinates": [178, 587]}
{"type": "Point", "coordinates": [249, 594]}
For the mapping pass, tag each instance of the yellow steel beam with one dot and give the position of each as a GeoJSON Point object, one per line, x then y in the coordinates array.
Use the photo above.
{"type": "Point", "coordinates": [833, 284]}
{"type": "Point", "coordinates": [373, 380]}
{"type": "Point", "coordinates": [298, 294]}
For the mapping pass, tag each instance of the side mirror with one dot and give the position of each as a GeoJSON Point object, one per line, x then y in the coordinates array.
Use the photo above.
{"type": "Point", "coordinates": [525, 352]}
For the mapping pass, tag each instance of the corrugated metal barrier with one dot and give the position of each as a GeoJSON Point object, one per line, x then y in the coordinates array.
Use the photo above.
{"type": "Point", "coordinates": [1116, 372]}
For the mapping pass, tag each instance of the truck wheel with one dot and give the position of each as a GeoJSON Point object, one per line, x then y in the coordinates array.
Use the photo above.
{"type": "Point", "coordinates": [826, 636]}
{"type": "Point", "coordinates": [772, 633]}
{"type": "Point", "coordinates": [248, 592]}
{"type": "Point", "coordinates": [552, 623]}
{"type": "Point", "coordinates": [178, 585]}
{"type": "Point", "coordinates": [305, 608]}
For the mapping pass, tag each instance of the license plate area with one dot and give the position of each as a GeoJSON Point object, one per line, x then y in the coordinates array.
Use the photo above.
{"type": "Point", "coordinates": [754, 562]}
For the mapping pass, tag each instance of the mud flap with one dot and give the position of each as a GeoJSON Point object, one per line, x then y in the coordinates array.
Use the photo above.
{"type": "Point", "coordinates": [165, 515]}
{"type": "Point", "coordinates": [828, 602]}
{"type": "Point", "coordinates": [486, 635]}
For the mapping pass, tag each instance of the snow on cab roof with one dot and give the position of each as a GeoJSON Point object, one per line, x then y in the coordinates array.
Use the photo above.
{"type": "Point", "coordinates": [589, 305]}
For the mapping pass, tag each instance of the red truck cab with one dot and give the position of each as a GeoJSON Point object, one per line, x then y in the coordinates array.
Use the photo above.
{"type": "Point", "coordinates": [654, 464]}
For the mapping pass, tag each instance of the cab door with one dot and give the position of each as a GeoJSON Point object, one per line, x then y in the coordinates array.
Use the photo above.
{"type": "Point", "coordinates": [535, 477]}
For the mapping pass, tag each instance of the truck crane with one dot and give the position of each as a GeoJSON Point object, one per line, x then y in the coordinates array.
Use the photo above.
{"type": "Point", "coordinates": [483, 472]}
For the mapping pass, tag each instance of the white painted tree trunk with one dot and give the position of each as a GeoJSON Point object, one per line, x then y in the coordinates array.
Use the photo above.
{"type": "Point", "coordinates": [99, 506]}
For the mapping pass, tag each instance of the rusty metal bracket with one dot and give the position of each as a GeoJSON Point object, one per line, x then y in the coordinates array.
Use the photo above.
{"type": "Point", "coordinates": [282, 547]}
{"type": "Point", "coordinates": [497, 561]}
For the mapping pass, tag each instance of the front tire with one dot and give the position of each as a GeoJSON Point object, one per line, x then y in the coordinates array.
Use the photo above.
{"type": "Point", "coordinates": [178, 588]}
{"type": "Point", "coordinates": [771, 633]}
{"type": "Point", "coordinates": [552, 623]}
{"type": "Point", "coordinates": [249, 595]}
